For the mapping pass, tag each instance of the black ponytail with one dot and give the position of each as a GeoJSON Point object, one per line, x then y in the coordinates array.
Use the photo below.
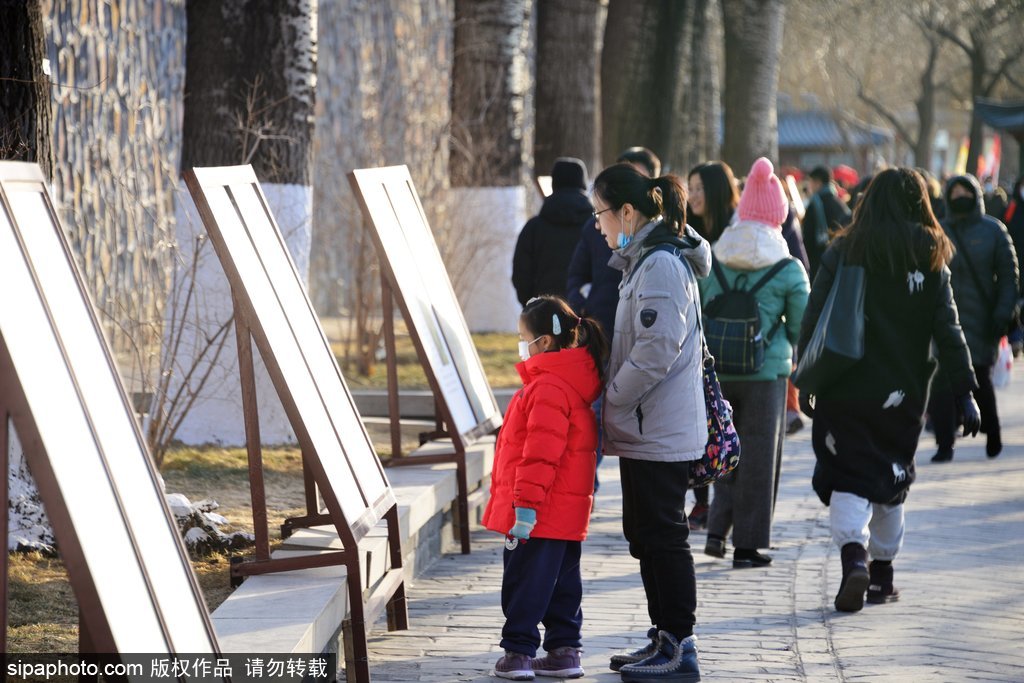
{"type": "Point", "coordinates": [592, 338]}
{"type": "Point", "coordinates": [571, 331]}
{"type": "Point", "coordinates": [670, 197]}
{"type": "Point", "coordinates": [665, 196]}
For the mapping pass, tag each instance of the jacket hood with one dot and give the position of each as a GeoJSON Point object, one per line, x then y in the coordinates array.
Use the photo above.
{"type": "Point", "coordinates": [694, 248]}
{"type": "Point", "coordinates": [575, 367]}
{"type": "Point", "coordinates": [749, 245]}
{"type": "Point", "coordinates": [569, 207]}
{"type": "Point", "coordinates": [979, 195]}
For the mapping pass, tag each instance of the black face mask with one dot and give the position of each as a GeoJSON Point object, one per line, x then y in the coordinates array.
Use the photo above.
{"type": "Point", "coordinates": [962, 205]}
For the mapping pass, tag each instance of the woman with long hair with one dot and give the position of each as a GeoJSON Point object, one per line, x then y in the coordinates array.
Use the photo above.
{"type": "Point", "coordinates": [713, 196]}
{"type": "Point", "coordinates": [753, 255]}
{"type": "Point", "coordinates": [868, 421]}
{"type": "Point", "coordinates": [654, 414]}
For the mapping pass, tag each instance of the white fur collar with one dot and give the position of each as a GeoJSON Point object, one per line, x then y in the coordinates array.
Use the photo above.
{"type": "Point", "coordinates": [749, 245]}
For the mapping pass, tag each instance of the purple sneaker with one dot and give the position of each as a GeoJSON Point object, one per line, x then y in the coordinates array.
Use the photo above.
{"type": "Point", "coordinates": [514, 666]}
{"type": "Point", "coordinates": [562, 662]}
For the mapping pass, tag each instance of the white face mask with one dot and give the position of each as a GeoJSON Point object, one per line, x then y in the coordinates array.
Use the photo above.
{"type": "Point", "coordinates": [524, 349]}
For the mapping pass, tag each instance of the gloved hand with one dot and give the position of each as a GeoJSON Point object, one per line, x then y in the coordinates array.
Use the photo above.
{"type": "Point", "coordinates": [968, 415]}
{"type": "Point", "coordinates": [805, 404]}
{"type": "Point", "coordinates": [526, 519]}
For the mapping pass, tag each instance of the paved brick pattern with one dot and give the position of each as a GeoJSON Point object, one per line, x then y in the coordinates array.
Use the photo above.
{"type": "Point", "coordinates": [961, 574]}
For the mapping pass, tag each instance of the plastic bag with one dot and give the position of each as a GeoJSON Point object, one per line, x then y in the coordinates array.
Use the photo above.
{"type": "Point", "coordinates": [1003, 369]}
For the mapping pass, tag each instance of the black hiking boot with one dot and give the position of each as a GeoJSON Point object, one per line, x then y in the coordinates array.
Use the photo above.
{"type": "Point", "coordinates": [880, 588]}
{"type": "Point", "coordinates": [850, 597]}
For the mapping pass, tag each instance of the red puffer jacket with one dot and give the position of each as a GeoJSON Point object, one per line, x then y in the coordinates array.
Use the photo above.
{"type": "Point", "coordinates": [546, 452]}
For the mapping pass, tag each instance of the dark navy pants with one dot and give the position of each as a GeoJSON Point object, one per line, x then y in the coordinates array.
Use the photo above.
{"type": "Point", "coordinates": [542, 585]}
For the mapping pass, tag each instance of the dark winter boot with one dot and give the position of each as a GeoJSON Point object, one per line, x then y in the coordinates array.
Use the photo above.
{"type": "Point", "coordinates": [850, 597]}
{"type": "Point", "coordinates": [880, 589]}
{"type": "Point", "coordinates": [743, 558]}
{"type": "Point", "coordinates": [620, 660]}
{"type": "Point", "coordinates": [676, 660]}
{"type": "Point", "coordinates": [994, 444]}
{"type": "Point", "coordinates": [943, 455]}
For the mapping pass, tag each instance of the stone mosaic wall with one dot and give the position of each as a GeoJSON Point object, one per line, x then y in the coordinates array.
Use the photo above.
{"type": "Point", "coordinates": [119, 71]}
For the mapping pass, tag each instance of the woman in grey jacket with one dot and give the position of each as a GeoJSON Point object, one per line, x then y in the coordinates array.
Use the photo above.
{"type": "Point", "coordinates": [654, 415]}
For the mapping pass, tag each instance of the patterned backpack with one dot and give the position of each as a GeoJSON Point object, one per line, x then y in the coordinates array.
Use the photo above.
{"type": "Point", "coordinates": [722, 451]}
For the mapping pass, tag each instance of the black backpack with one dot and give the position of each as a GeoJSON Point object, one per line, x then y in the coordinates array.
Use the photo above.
{"type": "Point", "coordinates": [732, 323]}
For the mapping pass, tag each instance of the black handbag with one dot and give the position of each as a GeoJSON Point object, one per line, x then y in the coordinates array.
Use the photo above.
{"type": "Point", "coordinates": [838, 339]}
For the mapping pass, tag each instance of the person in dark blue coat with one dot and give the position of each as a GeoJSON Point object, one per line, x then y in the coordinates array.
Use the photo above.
{"type": "Point", "coordinates": [547, 242]}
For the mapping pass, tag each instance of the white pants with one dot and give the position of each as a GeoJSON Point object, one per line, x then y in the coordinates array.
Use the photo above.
{"type": "Point", "coordinates": [857, 520]}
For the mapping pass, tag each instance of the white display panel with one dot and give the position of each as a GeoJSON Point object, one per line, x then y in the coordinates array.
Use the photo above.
{"type": "Point", "coordinates": [414, 267]}
{"type": "Point", "coordinates": [104, 479]}
{"type": "Point", "coordinates": [291, 340]}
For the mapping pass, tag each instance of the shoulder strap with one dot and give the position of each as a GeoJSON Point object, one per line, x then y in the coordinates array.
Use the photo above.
{"type": "Point", "coordinates": [770, 274]}
{"type": "Point", "coordinates": [970, 265]}
{"type": "Point", "coordinates": [716, 268]}
{"type": "Point", "coordinates": [650, 252]}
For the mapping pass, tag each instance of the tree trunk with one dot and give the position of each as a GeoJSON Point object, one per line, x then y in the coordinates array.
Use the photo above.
{"type": "Point", "coordinates": [926, 109]}
{"type": "Point", "coordinates": [26, 115]}
{"type": "Point", "coordinates": [26, 121]}
{"type": "Point", "coordinates": [753, 41]}
{"type": "Point", "coordinates": [703, 108]}
{"type": "Point", "coordinates": [978, 72]}
{"type": "Point", "coordinates": [383, 77]}
{"type": "Point", "coordinates": [491, 161]}
{"type": "Point", "coordinates": [491, 126]}
{"type": "Point", "coordinates": [644, 75]}
{"type": "Point", "coordinates": [249, 72]}
{"type": "Point", "coordinates": [250, 66]}
{"type": "Point", "coordinates": [567, 83]}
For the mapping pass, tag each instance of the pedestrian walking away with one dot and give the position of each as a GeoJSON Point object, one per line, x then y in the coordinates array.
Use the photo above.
{"type": "Point", "coordinates": [868, 420]}
{"type": "Point", "coordinates": [540, 263]}
{"type": "Point", "coordinates": [654, 415]}
{"type": "Point", "coordinates": [825, 214]}
{"type": "Point", "coordinates": [542, 489]}
{"type": "Point", "coordinates": [753, 257]}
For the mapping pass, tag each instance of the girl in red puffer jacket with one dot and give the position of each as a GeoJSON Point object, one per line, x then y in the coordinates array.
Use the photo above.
{"type": "Point", "coordinates": [542, 488]}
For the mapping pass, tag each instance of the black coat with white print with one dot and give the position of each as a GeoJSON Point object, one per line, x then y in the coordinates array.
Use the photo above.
{"type": "Point", "coordinates": [867, 425]}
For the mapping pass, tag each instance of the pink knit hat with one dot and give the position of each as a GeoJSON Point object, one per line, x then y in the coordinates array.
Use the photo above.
{"type": "Point", "coordinates": [763, 199]}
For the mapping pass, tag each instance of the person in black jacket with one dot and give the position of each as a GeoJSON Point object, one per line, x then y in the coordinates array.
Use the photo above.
{"type": "Point", "coordinates": [825, 214]}
{"type": "Point", "coordinates": [867, 422]}
{"type": "Point", "coordinates": [985, 282]}
{"type": "Point", "coordinates": [546, 244]}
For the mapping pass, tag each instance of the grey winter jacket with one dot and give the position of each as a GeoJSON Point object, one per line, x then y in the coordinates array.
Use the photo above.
{"type": "Point", "coordinates": [983, 240]}
{"type": "Point", "coordinates": [654, 401]}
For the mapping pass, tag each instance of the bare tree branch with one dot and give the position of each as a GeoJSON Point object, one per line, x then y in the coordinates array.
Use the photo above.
{"type": "Point", "coordinates": [1001, 70]}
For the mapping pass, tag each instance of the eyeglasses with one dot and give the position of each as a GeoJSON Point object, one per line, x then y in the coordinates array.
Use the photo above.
{"type": "Point", "coordinates": [598, 213]}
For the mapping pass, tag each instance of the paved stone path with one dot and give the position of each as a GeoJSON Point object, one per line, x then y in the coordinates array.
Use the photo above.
{"type": "Point", "coordinates": [961, 573]}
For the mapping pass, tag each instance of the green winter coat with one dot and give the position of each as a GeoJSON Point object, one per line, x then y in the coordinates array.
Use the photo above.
{"type": "Point", "coordinates": [752, 248]}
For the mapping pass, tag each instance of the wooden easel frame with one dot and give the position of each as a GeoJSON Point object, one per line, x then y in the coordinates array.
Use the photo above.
{"type": "Point", "coordinates": [105, 424]}
{"type": "Point", "coordinates": [444, 421]}
{"type": "Point", "coordinates": [389, 593]}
